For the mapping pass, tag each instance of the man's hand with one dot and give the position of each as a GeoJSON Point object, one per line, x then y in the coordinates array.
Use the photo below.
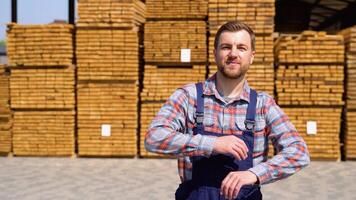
{"type": "Point", "coordinates": [231, 185]}
{"type": "Point", "coordinates": [231, 145]}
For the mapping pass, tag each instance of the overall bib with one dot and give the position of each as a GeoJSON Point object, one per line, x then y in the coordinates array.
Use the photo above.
{"type": "Point", "coordinates": [208, 173]}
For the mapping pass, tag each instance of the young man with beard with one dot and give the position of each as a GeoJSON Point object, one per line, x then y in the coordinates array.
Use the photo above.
{"type": "Point", "coordinates": [219, 129]}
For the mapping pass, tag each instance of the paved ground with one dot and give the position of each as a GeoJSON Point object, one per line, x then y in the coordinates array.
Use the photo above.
{"type": "Point", "coordinates": [114, 178]}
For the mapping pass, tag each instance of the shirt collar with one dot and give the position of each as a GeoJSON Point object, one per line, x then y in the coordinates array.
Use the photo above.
{"type": "Point", "coordinates": [211, 89]}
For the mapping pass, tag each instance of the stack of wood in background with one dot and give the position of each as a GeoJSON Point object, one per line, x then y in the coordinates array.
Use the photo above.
{"type": "Point", "coordinates": [39, 45]}
{"type": "Point", "coordinates": [5, 113]}
{"type": "Point", "coordinates": [110, 13]}
{"type": "Point", "coordinates": [175, 54]}
{"type": "Point", "coordinates": [42, 89]}
{"type": "Point", "coordinates": [108, 73]}
{"type": "Point", "coordinates": [349, 115]}
{"type": "Point", "coordinates": [260, 17]}
{"type": "Point", "coordinates": [310, 87]}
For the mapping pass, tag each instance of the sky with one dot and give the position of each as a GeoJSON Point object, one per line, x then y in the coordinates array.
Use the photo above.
{"type": "Point", "coordinates": [32, 12]}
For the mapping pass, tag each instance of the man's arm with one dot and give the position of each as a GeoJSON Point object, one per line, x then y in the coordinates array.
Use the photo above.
{"type": "Point", "coordinates": [166, 134]}
{"type": "Point", "coordinates": [292, 154]}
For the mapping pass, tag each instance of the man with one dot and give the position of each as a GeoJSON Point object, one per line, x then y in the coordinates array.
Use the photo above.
{"type": "Point", "coordinates": [219, 129]}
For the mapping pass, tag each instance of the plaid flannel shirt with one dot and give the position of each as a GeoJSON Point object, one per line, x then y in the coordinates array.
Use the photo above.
{"type": "Point", "coordinates": [171, 131]}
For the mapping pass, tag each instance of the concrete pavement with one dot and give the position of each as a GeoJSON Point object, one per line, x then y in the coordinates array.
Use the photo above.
{"type": "Point", "coordinates": [118, 178]}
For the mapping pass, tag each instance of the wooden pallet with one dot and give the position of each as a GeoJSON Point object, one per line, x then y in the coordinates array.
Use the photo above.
{"type": "Point", "coordinates": [160, 82]}
{"type": "Point", "coordinates": [325, 144]}
{"type": "Point", "coordinates": [51, 88]}
{"type": "Point", "coordinates": [257, 14]}
{"type": "Point", "coordinates": [5, 113]}
{"type": "Point", "coordinates": [111, 13]}
{"type": "Point", "coordinates": [40, 45]}
{"type": "Point", "coordinates": [107, 54]}
{"type": "Point", "coordinates": [310, 84]}
{"type": "Point", "coordinates": [43, 133]}
{"type": "Point", "coordinates": [113, 104]}
{"type": "Point", "coordinates": [310, 47]}
{"type": "Point", "coordinates": [165, 39]}
{"type": "Point", "coordinates": [177, 9]}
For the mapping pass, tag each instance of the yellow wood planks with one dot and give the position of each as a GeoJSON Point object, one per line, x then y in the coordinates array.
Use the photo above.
{"type": "Point", "coordinates": [163, 40]}
{"type": "Point", "coordinates": [111, 13]}
{"type": "Point", "coordinates": [40, 45]}
{"type": "Point", "coordinates": [178, 9]}
{"type": "Point", "coordinates": [107, 54]}
{"type": "Point", "coordinates": [43, 133]}
{"type": "Point", "coordinates": [325, 144]}
{"type": "Point", "coordinates": [5, 113]}
{"type": "Point", "coordinates": [42, 88]}
{"type": "Point", "coordinates": [258, 14]}
{"type": "Point", "coordinates": [113, 104]}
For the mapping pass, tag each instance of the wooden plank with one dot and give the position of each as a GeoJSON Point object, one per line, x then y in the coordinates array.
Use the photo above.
{"type": "Point", "coordinates": [43, 133]}
{"type": "Point", "coordinates": [40, 45]}
{"type": "Point", "coordinates": [111, 13]}
{"type": "Point", "coordinates": [325, 143]}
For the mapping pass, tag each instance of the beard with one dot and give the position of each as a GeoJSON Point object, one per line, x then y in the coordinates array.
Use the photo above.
{"type": "Point", "coordinates": [233, 73]}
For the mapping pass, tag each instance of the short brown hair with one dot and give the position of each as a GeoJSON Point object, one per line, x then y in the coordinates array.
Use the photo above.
{"type": "Point", "coordinates": [234, 26]}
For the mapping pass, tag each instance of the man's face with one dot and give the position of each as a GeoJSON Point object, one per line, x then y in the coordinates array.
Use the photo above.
{"type": "Point", "coordinates": [234, 54]}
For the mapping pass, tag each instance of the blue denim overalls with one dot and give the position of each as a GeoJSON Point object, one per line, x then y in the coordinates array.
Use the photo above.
{"type": "Point", "coordinates": [208, 173]}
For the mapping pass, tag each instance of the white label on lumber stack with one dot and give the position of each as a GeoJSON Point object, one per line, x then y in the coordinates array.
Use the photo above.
{"type": "Point", "coordinates": [105, 130]}
{"type": "Point", "coordinates": [185, 55]}
{"type": "Point", "coordinates": [311, 127]}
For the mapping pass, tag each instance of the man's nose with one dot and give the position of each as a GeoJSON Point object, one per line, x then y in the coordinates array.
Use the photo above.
{"type": "Point", "coordinates": [234, 52]}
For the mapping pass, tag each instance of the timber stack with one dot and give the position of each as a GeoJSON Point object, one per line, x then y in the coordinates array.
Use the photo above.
{"type": "Point", "coordinates": [349, 114]}
{"type": "Point", "coordinates": [175, 53]}
{"type": "Point", "coordinates": [42, 89]}
{"type": "Point", "coordinates": [5, 112]}
{"type": "Point", "coordinates": [310, 88]}
{"type": "Point", "coordinates": [260, 17]}
{"type": "Point", "coordinates": [108, 59]}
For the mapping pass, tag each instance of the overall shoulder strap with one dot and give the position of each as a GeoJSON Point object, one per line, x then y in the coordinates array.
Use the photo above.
{"type": "Point", "coordinates": [251, 111]}
{"type": "Point", "coordinates": [200, 106]}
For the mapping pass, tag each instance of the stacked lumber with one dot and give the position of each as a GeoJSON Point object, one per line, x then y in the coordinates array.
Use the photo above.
{"type": "Point", "coordinates": [50, 88]}
{"type": "Point", "coordinates": [310, 47]}
{"type": "Point", "coordinates": [260, 17]}
{"type": "Point", "coordinates": [258, 14]}
{"type": "Point", "coordinates": [175, 54]}
{"type": "Point", "coordinates": [107, 54]}
{"type": "Point", "coordinates": [5, 113]}
{"type": "Point", "coordinates": [181, 9]}
{"type": "Point", "coordinates": [309, 86]}
{"type": "Point", "coordinates": [108, 51]}
{"type": "Point", "coordinates": [108, 103]}
{"type": "Point", "coordinates": [111, 13]}
{"type": "Point", "coordinates": [350, 134]}
{"type": "Point", "coordinates": [40, 45]}
{"type": "Point", "coordinates": [160, 81]}
{"type": "Point", "coordinates": [325, 144]}
{"type": "Point", "coordinates": [42, 89]}
{"type": "Point", "coordinates": [165, 39]}
{"type": "Point", "coordinates": [349, 35]}
{"type": "Point", "coordinates": [43, 133]}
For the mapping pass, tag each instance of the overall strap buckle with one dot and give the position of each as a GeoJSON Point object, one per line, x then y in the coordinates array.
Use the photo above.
{"type": "Point", "coordinates": [249, 124]}
{"type": "Point", "coordinates": [199, 117]}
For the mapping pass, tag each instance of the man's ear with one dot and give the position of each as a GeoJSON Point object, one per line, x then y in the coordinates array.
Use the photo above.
{"type": "Point", "coordinates": [252, 57]}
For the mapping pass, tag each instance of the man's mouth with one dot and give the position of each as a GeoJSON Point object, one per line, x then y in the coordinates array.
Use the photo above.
{"type": "Point", "coordinates": [232, 62]}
